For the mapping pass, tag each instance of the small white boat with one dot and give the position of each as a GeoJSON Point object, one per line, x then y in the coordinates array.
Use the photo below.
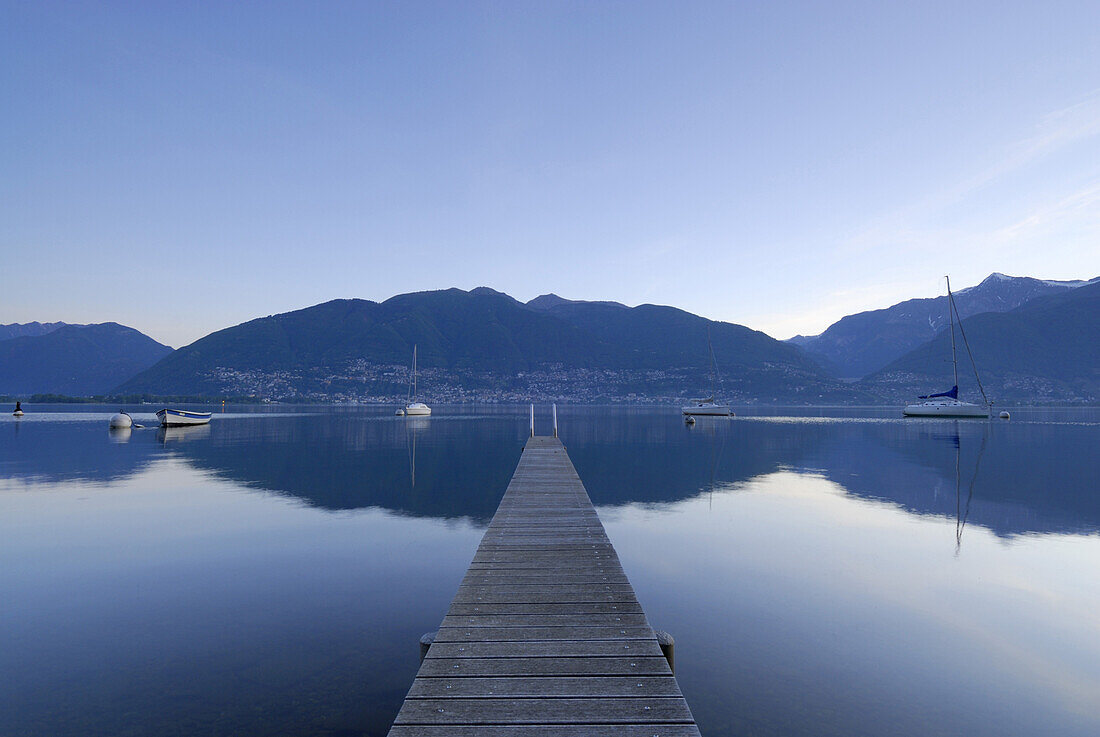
{"type": "Point", "coordinates": [182, 417]}
{"type": "Point", "coordinates": [412, 408]}
{"type": "Point", "coordinates": [706, 407]}
{"type": "Point", "coordinates": [947, 404]}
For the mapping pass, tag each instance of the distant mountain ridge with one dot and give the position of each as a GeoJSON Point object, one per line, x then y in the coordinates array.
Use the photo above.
{"type": "Point", "coordinates": [551, 300]}
{"type": "Point", "coordinates": [17, 330]}
{"type": "Point", "coordinates": [76, 360]}
{"type": "Point", "coordinates": [1047, 349]}
{"type": "Point", "coordinates": [859, 345]}
{"type": "Point", "coordinates": [485, 344]}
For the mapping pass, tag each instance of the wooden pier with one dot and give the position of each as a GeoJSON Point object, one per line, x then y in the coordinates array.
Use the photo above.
{"type": "Point", "coordinates": [545, 635]}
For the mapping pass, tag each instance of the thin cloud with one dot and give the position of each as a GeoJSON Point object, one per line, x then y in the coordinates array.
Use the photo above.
{"type": "Point", "coordinates": [1071, 207]}
{"type": "Point", "coordinates": [1053, 132]}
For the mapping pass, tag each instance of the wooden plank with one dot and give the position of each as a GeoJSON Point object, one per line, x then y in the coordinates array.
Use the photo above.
{"type": "Point", "coordinates": [621, 619]}
{"type": "Point", "coordinates": [440, 688]}
{"type": "Point", "coordinates": [590, 607]}
{"type": "Point", "coordinates": [602, 710]}
{"type": "Point", "coordinates": [545, 730]}
{"type": "Point", "coordinates": [441, 667]}
{"type": "Point", "coordinates": [515, 578]}
{"type": "Point", "coordinates": [546, 649]}
{"type": "Point", "coordinates": [531, 559]}
{"type": "Point", "coordinates": [537, 634]}
{"type": "Point", "coordinates": [544, 594]}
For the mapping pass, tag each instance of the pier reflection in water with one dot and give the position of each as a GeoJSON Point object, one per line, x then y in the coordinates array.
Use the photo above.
{"type": "Point", "coordinates": [829, 573]}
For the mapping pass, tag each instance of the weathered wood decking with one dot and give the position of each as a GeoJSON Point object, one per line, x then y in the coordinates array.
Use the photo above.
{"type": "Point", "coordinates": [545, 635]}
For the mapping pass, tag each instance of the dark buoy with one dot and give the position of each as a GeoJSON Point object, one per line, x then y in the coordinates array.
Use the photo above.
{"type": "Point", "coordinates": [18, 410]}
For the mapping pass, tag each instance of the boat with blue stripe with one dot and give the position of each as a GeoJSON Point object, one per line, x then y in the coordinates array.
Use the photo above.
{"type": "Point", "coordinates": [179, 417]}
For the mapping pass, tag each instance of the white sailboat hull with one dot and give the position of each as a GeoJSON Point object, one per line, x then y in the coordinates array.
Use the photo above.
{"type": "Point", "coordinates": [707, 410]}
{"type": "Point", "coordinates": [947, 408]}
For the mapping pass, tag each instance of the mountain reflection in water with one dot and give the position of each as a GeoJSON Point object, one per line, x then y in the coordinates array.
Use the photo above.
{"type": "Point", "coordinates": [1032, 477]}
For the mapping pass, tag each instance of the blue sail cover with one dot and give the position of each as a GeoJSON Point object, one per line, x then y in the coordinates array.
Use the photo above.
{"type": "Point", "coordinates": [953, 393]}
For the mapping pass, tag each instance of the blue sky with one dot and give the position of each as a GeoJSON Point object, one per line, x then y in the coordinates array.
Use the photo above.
{"type": "Point", "coordinates": [183, 167]}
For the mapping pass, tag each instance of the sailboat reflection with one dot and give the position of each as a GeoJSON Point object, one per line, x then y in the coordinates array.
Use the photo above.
{"type": "Point", "coordinates": [414, 426]}
{"type": "Point", "coordinates": [717, 432]}
{"type": "Point", "coordinates": [962, 512]}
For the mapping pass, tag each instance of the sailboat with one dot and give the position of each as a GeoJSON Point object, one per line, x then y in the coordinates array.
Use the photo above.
{"type": "Point", "coordinates": [414, 408]}
{"type": "Point", "coordinates": [947, 404]}
{"type": "Point", "coordinates": [708, 406]}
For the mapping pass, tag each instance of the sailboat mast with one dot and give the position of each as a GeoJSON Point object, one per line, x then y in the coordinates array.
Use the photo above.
{"type": "Point", "coordinates": [715, 378]}
{"type": "Point", "coordinates": [951, 319]}
{"type": "Point", "coordinates": [414, 366]}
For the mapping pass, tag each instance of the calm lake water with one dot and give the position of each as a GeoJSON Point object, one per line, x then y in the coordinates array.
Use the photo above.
{"type": "Point", "coordinates": [824, 572]}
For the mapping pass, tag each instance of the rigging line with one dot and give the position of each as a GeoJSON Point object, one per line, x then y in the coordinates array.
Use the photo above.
{"type": "Point", "coordinates": [973, 365]}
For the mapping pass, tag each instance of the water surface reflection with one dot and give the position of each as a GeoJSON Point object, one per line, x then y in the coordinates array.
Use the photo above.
{"type": "Point", "coordinates": [829, 573]}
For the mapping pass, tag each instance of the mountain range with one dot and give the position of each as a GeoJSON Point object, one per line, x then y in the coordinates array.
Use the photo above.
{"type": "Point", "coordinates": [859, 345]}
{"type": "Point", "coordinates": [18, 330]}
{"type": "Point", "coordinates": [76, 360]}
{"type": "Point", "coordinates": [1047, 349]}
{"type": "Point", "coordinates": [1034, 340]}
{"type": "Point", "coordinates": [484, 344]}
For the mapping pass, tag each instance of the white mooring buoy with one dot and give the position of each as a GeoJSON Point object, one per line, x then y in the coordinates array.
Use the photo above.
{"type": "Point", "coordinates": [1005, 415]}
{"type": "Point", "coordinates": [121, 420]}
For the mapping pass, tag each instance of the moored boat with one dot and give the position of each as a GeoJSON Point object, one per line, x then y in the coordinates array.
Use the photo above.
{"type": "Point", "coordinates": [181, 417]}
{"type": "Point", "coordinates": [947, 404]}
{"type": "Point", "coordinates": [706, 407]}
{"type": "Point", "coordinates": [412, 407]}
